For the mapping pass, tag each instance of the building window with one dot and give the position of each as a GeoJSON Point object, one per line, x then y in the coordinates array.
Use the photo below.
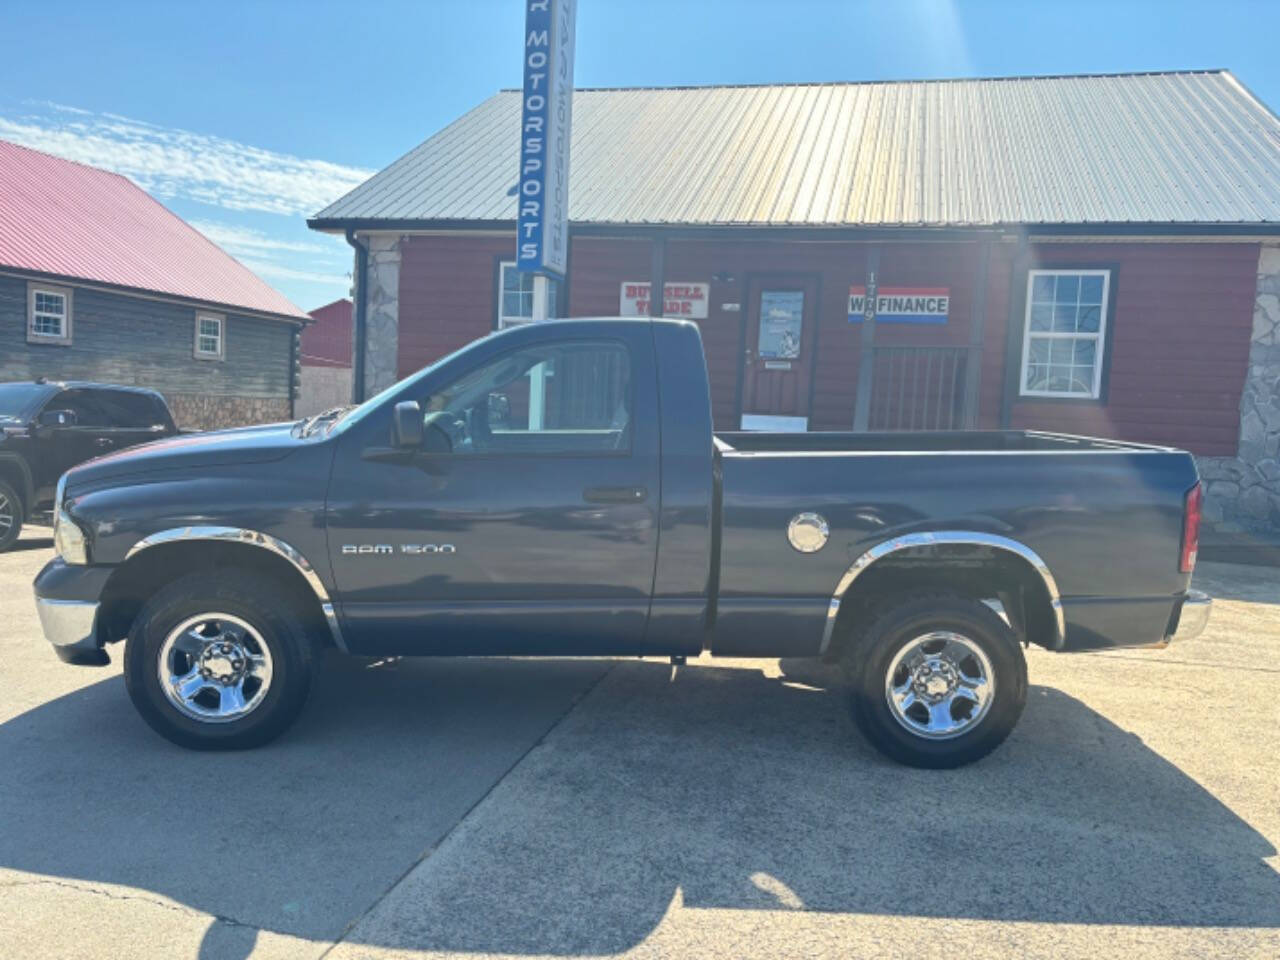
{"type": "Point", "coordinates": [515, 296]}
{"type": "Point", "coordinates": [48, 314]}
{"type": "Point", "coordinates": [209, 340]}
{"type": "Point", "coordinates": [1064, 333]}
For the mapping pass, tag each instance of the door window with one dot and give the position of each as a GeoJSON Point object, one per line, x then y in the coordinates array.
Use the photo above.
{"type": "Point", "coordinates": [127, 410]}
{"type": "Point", "coordinates": [563, 398]}
{"type": "Point", "coordinates": [781, 324]}
{"type": "Point", "coordinates": [85, 406]}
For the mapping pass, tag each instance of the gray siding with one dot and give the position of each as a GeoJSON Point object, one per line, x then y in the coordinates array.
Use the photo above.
{"type": "Point", "coordinates": [128, 340]}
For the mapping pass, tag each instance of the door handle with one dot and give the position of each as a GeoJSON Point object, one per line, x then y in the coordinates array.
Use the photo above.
{"type": "Point", "coordinates": [615, 494]}
{"type": "Point", "coordinates": [102, 442]}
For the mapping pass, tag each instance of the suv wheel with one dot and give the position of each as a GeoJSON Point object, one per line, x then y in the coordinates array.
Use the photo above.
{"type": "Point", "coordinates": [937, 681]}
{"type": "Point", "coordinates": [10, 516]}
{"type": "Point", "coordinates": [216, 662]}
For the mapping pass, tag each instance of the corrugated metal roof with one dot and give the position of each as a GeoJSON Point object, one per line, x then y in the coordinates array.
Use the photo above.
{"type": "Point", "coordinates": [1178, 148]}
{"type": "Point", "coordinates": [72, 220]}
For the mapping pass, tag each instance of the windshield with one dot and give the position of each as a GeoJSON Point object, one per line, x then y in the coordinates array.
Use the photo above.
{"type": "Point", "coordinates": [356, 414]}
{"type": "Point", "coordinates": [19, 400]}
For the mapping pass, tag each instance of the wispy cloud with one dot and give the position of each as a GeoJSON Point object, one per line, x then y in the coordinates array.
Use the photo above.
{"type": "Point", "coordinates": [170, 162]}
{"type": "Point", "coordinates": [250, 242]}
{"type": "Point", "coordinates": [269, 268]}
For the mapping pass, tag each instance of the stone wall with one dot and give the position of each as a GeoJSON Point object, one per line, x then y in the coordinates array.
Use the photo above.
{"type": "Point", "coordinates": [200, 411]}
{"type": "Point", "coordinates": [323, 388]}
{"type": "Point", "coordinates": [1242, 493]}
{"type": "Point", "coordinates": [382, 319]}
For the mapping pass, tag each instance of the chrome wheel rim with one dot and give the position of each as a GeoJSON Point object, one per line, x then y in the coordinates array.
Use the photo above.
{"type": "Point", "coordinates": [215, 668]}
{"type": "Point", "coordinates": [940, 685]}
{"type": "Point", "coordinates": [6, 515]}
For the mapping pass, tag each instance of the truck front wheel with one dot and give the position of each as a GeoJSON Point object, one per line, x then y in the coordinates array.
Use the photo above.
{"type": "Point", "coordinates": [216, 662]}
{"type": "Point", "coordinates": [937, 681]}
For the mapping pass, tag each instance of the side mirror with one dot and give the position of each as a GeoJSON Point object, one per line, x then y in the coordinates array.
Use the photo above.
{"type": "Point", "coordinates": [406, 425]}
{"type": "Point", "coordinates": [58, 418]}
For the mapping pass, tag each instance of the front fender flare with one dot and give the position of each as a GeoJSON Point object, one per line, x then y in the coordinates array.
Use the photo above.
{"type": "Point", "coordinates": [253, 538]}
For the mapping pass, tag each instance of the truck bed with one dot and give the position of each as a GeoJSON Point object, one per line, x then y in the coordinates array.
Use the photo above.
{"type": "Point", "coordinates": [968, 441]}
{"type": "Point", "coordinates": [1104, 516]}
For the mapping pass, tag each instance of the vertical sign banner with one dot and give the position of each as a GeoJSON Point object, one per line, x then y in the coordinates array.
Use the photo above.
{"type": "Point", "coordinates": [546, 116]}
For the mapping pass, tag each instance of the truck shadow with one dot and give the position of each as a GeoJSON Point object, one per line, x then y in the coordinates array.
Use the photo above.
{"type": "Point", "coordinates": [725, 786]}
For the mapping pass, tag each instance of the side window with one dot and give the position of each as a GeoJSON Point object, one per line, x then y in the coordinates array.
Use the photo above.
{"type": "Point", "coordinates": [1064, 333]}
{"type": "Point", "coordinates": [88, 412]}
{"type": "Point", "coordinates": [127, 410]}
{"type": "Point", "coordinates": [562, 398]}
{"type": "Point", "coordinates": [209, 341]}
{"type": "Point", "coordinates": [517, 296]}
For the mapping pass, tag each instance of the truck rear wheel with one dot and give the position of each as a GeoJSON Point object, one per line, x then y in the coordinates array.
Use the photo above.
{"type": "Point", "coordinates": [216, 662]}
{"type": "Point", "coordinates": [10, 516]}
{"type": "Point", "coordinates": [937, 681]}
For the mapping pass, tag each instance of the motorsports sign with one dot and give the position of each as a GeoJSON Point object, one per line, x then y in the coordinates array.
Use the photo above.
{"type": "Point", "coordinates": [546, 117]}
{"type": "Point", "coordinates": [902, 304]}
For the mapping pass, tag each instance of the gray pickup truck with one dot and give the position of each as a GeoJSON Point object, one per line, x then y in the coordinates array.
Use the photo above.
{"type": "Point", "coordinates": [557, 489]}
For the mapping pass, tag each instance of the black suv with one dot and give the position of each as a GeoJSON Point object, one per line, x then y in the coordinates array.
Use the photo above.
{"type": "Point", "coordinates": [47, 428]}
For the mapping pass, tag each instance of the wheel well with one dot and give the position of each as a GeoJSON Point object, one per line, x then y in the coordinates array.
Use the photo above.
{"type": "Point", "coordinates": [980, 573]}
{"type": "Point", "coordinates": [140, 577]}
{"type": "Point", "coordinates": [11, 472]}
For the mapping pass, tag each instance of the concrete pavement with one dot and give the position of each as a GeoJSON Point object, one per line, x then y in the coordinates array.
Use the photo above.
{"type": "Point", "coordinates": [528, 808]}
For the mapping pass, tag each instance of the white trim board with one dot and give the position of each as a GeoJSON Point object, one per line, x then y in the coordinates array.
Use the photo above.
{"type": "Point", "coordinates": [774, 424]}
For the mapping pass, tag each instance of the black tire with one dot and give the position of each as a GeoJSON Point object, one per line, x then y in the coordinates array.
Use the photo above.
{"type": "Point", "coordinates": [11, 509]}
{"type": "Point", "coordinates": [236, 595]}
{"type": "Point", "coordinates": [902, 625]}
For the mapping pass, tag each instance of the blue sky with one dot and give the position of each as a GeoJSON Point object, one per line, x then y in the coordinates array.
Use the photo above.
{"type": "Point", "coordinates": [245, 118]}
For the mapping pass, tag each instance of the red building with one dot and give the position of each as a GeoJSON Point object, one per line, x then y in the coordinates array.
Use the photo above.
{"type": "Point", "coordinates": [1081, 254]}
{"type": "Point", "coordinates": [324, 358]}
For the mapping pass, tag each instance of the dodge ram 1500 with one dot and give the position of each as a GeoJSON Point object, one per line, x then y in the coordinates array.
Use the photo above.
{"type": "Point", "coordinates": [557, 489]}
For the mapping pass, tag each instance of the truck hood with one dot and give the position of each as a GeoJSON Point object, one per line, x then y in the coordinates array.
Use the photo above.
{"type": "Point", "coordinates": [260, 444]}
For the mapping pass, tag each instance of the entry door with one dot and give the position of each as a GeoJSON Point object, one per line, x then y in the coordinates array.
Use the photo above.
{"type": "Point", "coordinates": [529, 522]}
{"type": "Point", "coordinates": [780, 342]}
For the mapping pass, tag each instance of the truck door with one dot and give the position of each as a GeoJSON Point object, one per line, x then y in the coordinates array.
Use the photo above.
{"type": "Point", "coordinates": [527, 524]}
{"type": "Point", "coordinates": [71, 428]}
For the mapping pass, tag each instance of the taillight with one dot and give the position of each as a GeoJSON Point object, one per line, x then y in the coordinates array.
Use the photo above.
{"type": "Point", "coordinates": [1191, 529]}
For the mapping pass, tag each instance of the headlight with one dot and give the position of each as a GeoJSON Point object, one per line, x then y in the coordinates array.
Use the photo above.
{"type": "Point", "coordinates": [68, 539]}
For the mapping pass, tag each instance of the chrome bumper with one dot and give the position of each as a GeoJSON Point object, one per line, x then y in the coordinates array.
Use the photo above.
{"type": "Point", "coordinates": [1194, 616]}
{"type": "Point", "coordinates": [71, 626]}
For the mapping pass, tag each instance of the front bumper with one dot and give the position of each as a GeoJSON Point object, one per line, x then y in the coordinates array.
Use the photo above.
{"type": "Point", "coordinates": [67, 601]}
{"type": "Point", "coordinates": [1193, 617]}
{"type": "Point", "coordinates": [72, 627]}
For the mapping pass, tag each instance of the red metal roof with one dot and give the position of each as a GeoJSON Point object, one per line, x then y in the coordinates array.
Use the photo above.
{"type": "Point", "coordinates": [327, 342]}
{"type": "Point", "coordinates": [71, 220]}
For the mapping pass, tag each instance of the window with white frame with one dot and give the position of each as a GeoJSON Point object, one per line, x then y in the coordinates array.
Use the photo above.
{"type": "Point", "coordinates": [209, 339]}
{"type": "Point", "coordinates": [1064, 333]}
{"type": "Point", "coordinates": [515, 296]}
{"type": "Point", "coordinates": [48, 314]}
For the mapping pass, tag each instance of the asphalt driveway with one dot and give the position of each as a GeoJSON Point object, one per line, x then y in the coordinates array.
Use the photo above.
{"type": "Point", "coordinates": [558, 808]}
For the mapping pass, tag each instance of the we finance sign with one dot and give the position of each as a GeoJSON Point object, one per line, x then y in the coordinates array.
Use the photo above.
{"type": "Point", "coordinates": [902, 304]}
{"type": "Point", "coordinates": [546, 117]}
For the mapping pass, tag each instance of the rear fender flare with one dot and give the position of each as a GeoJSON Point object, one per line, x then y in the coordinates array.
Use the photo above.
{"type": "Point", "coordinates": [942, 538]}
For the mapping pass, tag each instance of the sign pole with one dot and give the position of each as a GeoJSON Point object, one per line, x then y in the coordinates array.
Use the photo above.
{"type": "Point", "coordinates": [867, 358]}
